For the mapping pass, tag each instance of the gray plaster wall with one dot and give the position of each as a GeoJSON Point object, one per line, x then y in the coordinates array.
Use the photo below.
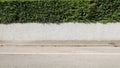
{"type": "Point", "coordinates": [66, 31]}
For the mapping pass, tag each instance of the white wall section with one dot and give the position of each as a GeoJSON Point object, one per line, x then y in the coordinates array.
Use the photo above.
{"type": "Point", "coordinates": [66, 31]}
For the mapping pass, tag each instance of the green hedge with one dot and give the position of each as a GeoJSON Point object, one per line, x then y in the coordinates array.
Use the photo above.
{"type": "Point", "coordinates": [59, 11]}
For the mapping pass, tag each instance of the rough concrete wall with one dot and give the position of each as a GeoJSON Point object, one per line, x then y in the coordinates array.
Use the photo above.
{"type": "Point", "coordinates": [66, 31]}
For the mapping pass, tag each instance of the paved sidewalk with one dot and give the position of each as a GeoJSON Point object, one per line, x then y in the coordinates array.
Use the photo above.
{"type": "Point", "coordinates": [59, 57]}
{"type": "Point", "coordinates": [63, 43]}
{"type": "Point", "coordinates": [59, 54]}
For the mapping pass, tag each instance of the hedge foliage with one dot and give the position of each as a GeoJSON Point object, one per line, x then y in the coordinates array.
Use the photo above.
{"type": "Point", "coordinates": [59, 11]}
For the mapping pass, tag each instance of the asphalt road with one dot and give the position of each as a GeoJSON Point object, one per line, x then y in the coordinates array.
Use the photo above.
{"type": "Point", "coordinates": [59, 57]}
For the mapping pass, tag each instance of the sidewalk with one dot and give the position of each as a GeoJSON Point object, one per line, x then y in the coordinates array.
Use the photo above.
{"type": "Point", "coordinates": [59, 57]}
{"type": "Point", "coordinates": [59, 54]}
{"type": "Point", "coordinates": [63, 43]}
